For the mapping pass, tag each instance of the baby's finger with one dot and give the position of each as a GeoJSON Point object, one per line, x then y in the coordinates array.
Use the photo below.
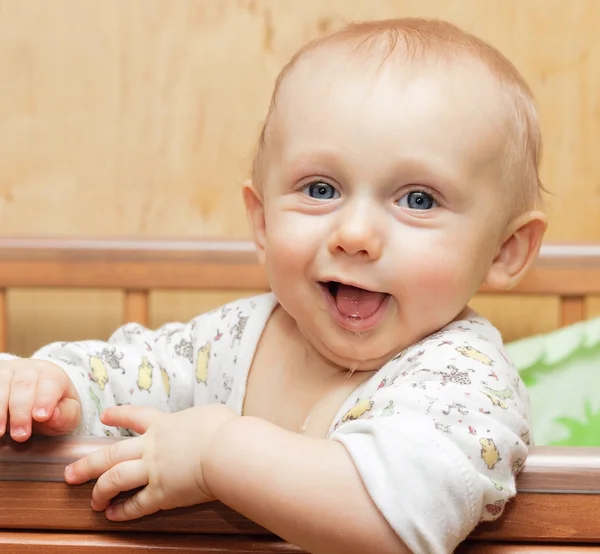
{"type": "Point", "coordinates": [50, 390]}
{"type": "Point", "coordinates": [20, 402]}
{"type": "Point", "coordinates": [5, 379]}
{"type": "Point", "coordinates": [121, 477]}
{"type": "Point", "coordinates": [64, 419]}
{"type": "Point", "coordinates": [98, 462]}
{"type": "Point", "coordinates": [136, 418]}
{"type": "Point", "coordinates": [141, 504]}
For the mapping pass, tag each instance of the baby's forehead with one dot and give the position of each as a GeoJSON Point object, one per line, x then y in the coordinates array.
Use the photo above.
{"type": "Point", "coordinates": [484, 103]}
{"type": "Point", "coordinates": [325, 92]}
{"type": "Point", "coordinates": [334, 76]}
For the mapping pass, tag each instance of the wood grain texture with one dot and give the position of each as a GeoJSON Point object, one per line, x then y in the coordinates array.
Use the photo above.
{"type": "Point", "coordinates": [88, 543]}
{"type": "Point", "coordinates": [572, 309]}
{"type": "Point", "coordinates": [186, 304]}
{"type": "Point", "coordinates": [593, 306]}
{"type": "Point", "coordinates": [147, 112]}
{"type": "Point", "coordinates": [55, 506]}
{"type": "Point", "coordinates": [558, 499]}
{"type": "Point", "coordinates": [136, 306]}
{"type": "Point", "coordinates": [519, 316]}
{"type": "Point", "coordinates": [40, 316]}
{"type": "Point", "coordinates": [476, 547]}
{"type": "Point", "coordinates": [28, 542]}
{"type": "Point", "coordinates": [544, 517]}
{"type": "Point", "coordinates": [33, 496]}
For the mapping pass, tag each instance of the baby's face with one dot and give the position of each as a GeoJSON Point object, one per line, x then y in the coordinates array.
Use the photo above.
{"type": "Point", "coordinates": [383, 202]}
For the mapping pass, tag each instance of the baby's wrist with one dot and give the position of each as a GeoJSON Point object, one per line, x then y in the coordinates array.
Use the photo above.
{"type": "Point", "coordinates": [220, 458]}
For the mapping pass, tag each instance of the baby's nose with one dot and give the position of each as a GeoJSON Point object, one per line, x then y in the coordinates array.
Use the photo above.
{"type": "Point", "coordinates": [359, 232]}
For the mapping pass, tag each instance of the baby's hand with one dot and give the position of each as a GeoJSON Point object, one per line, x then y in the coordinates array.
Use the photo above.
{"type": "Point", "coordinates": [166, 460]}
{"type": "Point", "coordinates": [36, 396]}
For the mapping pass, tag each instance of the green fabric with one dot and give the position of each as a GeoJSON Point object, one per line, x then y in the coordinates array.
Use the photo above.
{"type": "Point", "coordinates": [562, 373]}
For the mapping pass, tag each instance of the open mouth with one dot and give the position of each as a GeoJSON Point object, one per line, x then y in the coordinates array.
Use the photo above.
{"type": "Point", "coordinates": [354, 304]}
{"type": "Point", "coordinates": [332, 287]}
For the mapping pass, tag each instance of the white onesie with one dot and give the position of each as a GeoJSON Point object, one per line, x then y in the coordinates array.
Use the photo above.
{"type": "Point", "coordinates": [438, 434]}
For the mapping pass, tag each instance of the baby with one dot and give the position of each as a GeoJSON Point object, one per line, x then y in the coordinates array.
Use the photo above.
{"type": "Point", "coordinates": [361, 406]}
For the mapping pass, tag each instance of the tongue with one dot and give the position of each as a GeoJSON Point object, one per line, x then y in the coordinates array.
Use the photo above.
{"type": "Point", "coordinates": [355, 302]}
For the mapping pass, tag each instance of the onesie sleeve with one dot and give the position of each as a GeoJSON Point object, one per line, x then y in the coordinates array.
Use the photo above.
{"type": "Point", "coordinates": [138, 366]}
{"type": "Point", "coordinates": [439, 440]}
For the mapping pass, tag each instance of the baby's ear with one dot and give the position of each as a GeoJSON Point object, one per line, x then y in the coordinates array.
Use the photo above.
{"type": "Point", "coordinates": [255, 211]}
{"type": "Point", "coordinates": [518, 251]}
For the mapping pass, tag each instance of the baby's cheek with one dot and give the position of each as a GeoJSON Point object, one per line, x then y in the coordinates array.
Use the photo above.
{"type": "Point", "coordinates": [445, 286]}
{"type": "Point", "coordinates": [284, 265]}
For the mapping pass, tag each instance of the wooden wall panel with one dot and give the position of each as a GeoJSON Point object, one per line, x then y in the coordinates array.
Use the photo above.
{"type": "Point", "coordinates": [520, 317]}
{"type": "Point", "coordinates": [169, 306]}
{"type": "Point", "coordinates": [593, 307]}
{"type": "Point", "coordinates": [148, 111]}
{"type": "Point", "coordinates": [40, 316]}
{"type": "Point", "coordinates": [139, 118]}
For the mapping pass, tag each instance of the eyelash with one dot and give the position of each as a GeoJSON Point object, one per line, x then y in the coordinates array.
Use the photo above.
{"type": "Point", "coordinates": [421, 189]}
{"type": "Point", "coordinates": [317, 181]}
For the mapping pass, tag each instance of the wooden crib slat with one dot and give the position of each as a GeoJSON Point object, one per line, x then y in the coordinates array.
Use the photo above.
{"type": "Point", "coordinates": [558, 498]}
{"type": "Point", "coordinates": [226, 265]}
{"type": "Point", "coordinates": [3, 322]}
{"type": "Point", "coordinates": [123, 264]}
{"type": "Point", "coordinates": [137, 306]}
{"type": "Point", "coordinates": [33, 542]}
{"type": "Point", "coordinates": [74, 543]}
{"type": "Point", "coordinates": [472, 547]}
{"type": "Point", "coordinates": [572, 309]}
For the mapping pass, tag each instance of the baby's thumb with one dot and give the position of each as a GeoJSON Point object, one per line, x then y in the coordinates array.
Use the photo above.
{"type": "Point", "coordinates": [64, 419]}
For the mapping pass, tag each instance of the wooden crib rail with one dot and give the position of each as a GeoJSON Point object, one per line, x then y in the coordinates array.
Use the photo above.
{"type": "Point", "coordinates": [558, 501]}
{"type": "Point", "coordinates": [571, 272]}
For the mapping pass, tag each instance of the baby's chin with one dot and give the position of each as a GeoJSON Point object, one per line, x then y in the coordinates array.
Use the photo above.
{"type": "Point", "coordinates": [361, 365]}
{"type": "Point", "coordinates": [356, 354]}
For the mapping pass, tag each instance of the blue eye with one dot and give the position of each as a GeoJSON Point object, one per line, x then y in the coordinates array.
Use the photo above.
{"type": "Point", "coordinates": [320, 191]}
{"type": "Point", "coordinates": [418, 200]}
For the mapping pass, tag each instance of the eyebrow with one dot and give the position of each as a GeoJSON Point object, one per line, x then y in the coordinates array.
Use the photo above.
{"type": "Point", "coordinates": [319, 161]}
{"type": "Point", "coordinates": [418, 169]}
{"type": "Point", "coordinates": [427, 172]}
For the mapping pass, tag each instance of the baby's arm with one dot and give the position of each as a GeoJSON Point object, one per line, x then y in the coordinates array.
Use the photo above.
{"type": "Point", "coordinates": [431, 452]}
{"type": "Point", "coordinates": [303, 489]}
{"type": "Point", "coordinates": [135, 366]}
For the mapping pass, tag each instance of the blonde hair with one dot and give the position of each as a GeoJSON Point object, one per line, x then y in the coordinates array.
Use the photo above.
{"type": "Point", "coordinates": [423, 39]}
